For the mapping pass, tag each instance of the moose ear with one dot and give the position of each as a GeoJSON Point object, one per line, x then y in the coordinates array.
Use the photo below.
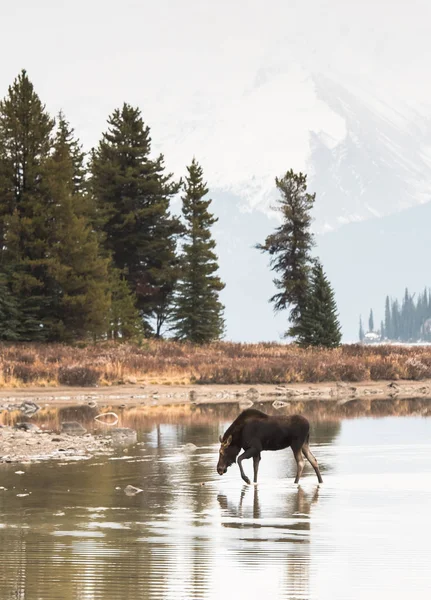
{"type": "Point", "coordinates": [228, 441]}
{"type": "Point", "coordinates": [221, 440]}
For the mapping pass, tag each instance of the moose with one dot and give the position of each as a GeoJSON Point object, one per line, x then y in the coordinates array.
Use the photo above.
{"type": "Point", "coordinates": [254, 431]}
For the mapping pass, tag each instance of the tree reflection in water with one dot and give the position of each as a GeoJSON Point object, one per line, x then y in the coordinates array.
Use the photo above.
{"type": "Point", "coordinates": [78, 537]}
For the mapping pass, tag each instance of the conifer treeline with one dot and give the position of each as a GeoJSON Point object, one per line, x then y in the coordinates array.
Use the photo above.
{"type": "Point", "coordinates": [408, 320]}
{"type": "Point", "coordinates": [89, 248]}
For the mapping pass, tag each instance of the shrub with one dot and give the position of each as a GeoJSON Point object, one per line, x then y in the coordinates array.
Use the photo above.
{"type": "Point", "coordinates": [78, 376]}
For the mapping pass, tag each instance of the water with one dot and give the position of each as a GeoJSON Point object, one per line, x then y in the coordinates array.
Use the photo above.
{"type": "Point", "coordinates": [69, 531]}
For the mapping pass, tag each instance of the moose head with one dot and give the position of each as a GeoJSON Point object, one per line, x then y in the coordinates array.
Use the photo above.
{"type": "Point", "coordinates": [228, 454]}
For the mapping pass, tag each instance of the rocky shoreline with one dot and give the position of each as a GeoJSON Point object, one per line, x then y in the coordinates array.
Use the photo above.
{"type": "Point", "coordinates": [26, 442]}
{"type": "Point", "coordinates": [151, 395]}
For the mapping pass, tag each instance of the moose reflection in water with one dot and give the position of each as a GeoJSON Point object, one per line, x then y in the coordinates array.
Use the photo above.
{"type": "Point", "coordinates": [254, 431]}
{"type": "Point", "coordinates": [299, 504]}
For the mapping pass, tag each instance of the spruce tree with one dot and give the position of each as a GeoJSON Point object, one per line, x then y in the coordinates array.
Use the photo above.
{"type": "Point", "coordinates": [319, 324]}
{"type": "Point", "coordinates": [66, 135]}
{"type": "Point", "coordinates": [361, 330]}
{"type": "Point", "coordinates": [396, 318]}
{"type": "Point", "coordinates": [124, 321]}
{"type": "Point", "coordinates": [198, 314]}
{"type": "Point", "coordinates": [290, 246]}
{"type": "Point", "coordinates": [388, 320]}
{"type": "Point", "coordinates": [78, 271]}
{"type": "Point", "coordinates": [10, 314]}
{"type": "Point", "coordinates": [371, 321]}
{"type": "Point", "coordinates": [133, 193]}
{"type": "Point", "coordinates": [25, 212]}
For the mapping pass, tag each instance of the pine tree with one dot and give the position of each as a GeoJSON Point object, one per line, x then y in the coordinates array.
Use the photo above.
{"type": "Point", "coordinates": [382, 330]}
{"type": "Point", "coordinates": [290, 246]}
{"type": "Point", "coordinates": [66, 135]}
{"type": "Point", "coordinates": [124, 321]}
{"type": "Point", "coordinates": [396, 318]}
{"type": "Point", "coordinates": [10, 314]}
{"type": "Point", "coordinates": [25, 217]}
{"type": "Point", "coordinates": [361, 330]}
{"type": "Point", "coordinates": [198, 314]}
{"type": "Point", "coordinates": [133, 193]}
{"type": "Point", "coordinates": [388, 319]}
{"type": "Point", "coordinates": [79, 272]}
{"type": "Point", "coordinates": [319, 324]}
{"type": "Point", "coordinates": [371, 321]}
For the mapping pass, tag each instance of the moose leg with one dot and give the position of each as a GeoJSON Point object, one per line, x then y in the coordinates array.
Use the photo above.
{"type": "Point", "coordinates": [312, 460]}
{"type": "Point", "coordinates": [247, 454]}
{"type": "Point", "coordinates": [256, 461]}
{"type": "Point", "coordinates": [299, 464]}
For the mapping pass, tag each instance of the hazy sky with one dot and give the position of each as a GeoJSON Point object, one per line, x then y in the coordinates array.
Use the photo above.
{"type": "Point", "coordinates": [227, 81]}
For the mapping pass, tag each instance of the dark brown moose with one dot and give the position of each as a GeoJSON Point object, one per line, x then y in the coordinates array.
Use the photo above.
{"type": "Point", "coordinates": [254, 431]}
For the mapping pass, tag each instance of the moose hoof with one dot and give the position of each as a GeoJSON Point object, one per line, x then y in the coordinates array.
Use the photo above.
{"type": "Point", "coordinates": [247, 480]}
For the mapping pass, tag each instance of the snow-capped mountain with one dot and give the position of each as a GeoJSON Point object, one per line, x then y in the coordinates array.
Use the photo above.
{"type": "Point", "coordinates": [381, 166]}
{"type": "Point", "coordinates": [365, 157]}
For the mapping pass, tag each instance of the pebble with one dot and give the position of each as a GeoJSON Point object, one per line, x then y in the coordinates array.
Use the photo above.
{"type": "Point", "coordinates": [131, 490]}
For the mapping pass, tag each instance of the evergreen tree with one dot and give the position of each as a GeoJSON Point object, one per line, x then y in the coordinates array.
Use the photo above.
{"type": "Point", "coordinates": [319, 324]}
{"type": "Point", "coordinates": [124, 321]}
{"type": "Point", "coordinates": [382, 330]}
{"type": "Point", "coordinates": [198, 314]}
{"type": "Point", "coordinates": [66, 137]}
{"type": "Point", "coordinates": [388, 319]}
{"type": "Point", "coordinates": [371, 321]}
{"type": "Point", "coordinates": [25, 213]}
{"type": "Point", "coordinates": [79, 272]}
{"type": "Point", "coordinates": [133, 192]}
{"type": "Point", "coordinates": [396, 317]}
{"type": "Point", "coordinates": [10, 315]}
{"type": "Point", "coordinates": [290, 246]}
{"type": "Point", "coordinates": [361, 330]}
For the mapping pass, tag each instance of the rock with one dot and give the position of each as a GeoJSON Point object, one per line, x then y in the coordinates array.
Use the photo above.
{"type": "Point", "coordinates": [189, 447]}
{"type": "Point", "coordinates": [27, 427]}
{"type": "Point", "coordinates": [28, 407]}
{"type": "Point", "coordinates": [72, 428]}
{"type": "Point", "coordinates": [279, 404]}
{"type": "Point", "coordinates": [244, 404]}
{"type": "Point", "coordinates": [123, 436]}
{"type": "Point", "coordinates": [108, 418]}
{"type": "Point", "coordinates": [131, 490]}
{"type": "Point", "coordinates": [252, 393]}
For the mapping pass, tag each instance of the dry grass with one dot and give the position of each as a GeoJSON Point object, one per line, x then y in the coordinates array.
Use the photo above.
{"type": "Point", "coordinates": [167, 362]}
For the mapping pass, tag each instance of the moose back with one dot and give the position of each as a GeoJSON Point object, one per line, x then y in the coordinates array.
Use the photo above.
{"type": "Point", "coordinates": [254, 431]}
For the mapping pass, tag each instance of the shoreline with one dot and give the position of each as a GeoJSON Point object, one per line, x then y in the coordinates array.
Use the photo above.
{"type": "Point", "coordinates": [161, 395]}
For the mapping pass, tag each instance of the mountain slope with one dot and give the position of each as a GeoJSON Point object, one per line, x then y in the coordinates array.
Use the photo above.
{"type": "Point", "coordinates": [364, 261]}
{"type": "Point", "coordinates": [379, 167]}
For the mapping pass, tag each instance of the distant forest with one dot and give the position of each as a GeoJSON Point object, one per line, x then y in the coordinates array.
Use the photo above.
{"type": "Point", "coordinates": [408, 320]}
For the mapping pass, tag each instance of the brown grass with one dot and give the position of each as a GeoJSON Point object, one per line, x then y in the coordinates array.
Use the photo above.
{"type": "Point", "coordinates": [168, 362]}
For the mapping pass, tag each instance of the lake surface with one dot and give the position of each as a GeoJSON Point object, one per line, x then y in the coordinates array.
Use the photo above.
{"type": "Point", "coordinates": [68, 530]}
